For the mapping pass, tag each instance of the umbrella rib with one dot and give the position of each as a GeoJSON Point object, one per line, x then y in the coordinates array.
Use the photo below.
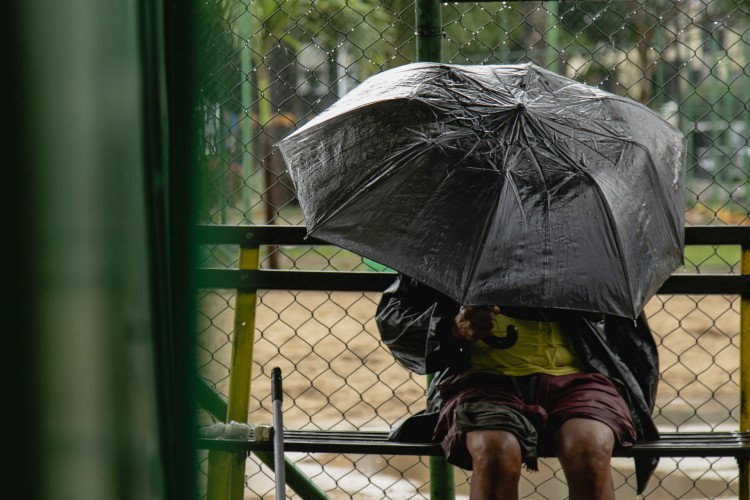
{"type": "Point", "coordinates": [602, 200]}
{"type": "Point", "coordinates": [477, 253]}
{"type": "Point", "coordinates": [615, 236]}
{"type": "Point", "coordinates": [610, 225]}
{"type": "Point", "coordinates": [602, 131]}
{"type": "Point", "coordinates": [364, 188]}
{"type": "Point", "coordinates": [517, 195]}
{"type": "Point", "coordinates": [546, 219]}
{"type": "Point", "coordinates": [675, 231]}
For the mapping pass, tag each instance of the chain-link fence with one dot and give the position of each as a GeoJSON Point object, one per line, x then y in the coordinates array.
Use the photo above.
{"type": "Point", "coordinates": [269, 66]}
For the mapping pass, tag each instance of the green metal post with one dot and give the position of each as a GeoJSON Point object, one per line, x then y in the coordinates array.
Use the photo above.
{"type": "Point", "coordinates": [226, 470]}
{"type": "Point", "coordinates": [744, 369]}
{"type": "Point", "coordinates": [502, 50]}
{"type": "Point", "coordinates": [442, 482]}
{"type": "Point", "coordinates": [429, 30]}
{"type": "Point", "coordinates": [246, 33]}
{"type": "Point", "coordinates": [746, 134]}
{"type": "Point", "coordinates": [658, 99]}
{"type": "Point", "coordinates": [688, 128]}
{"type": "Point", "coordinates": [552, 36]}
{"type": "Point", "coordinates": [429, 48]}
{"type": "Point", "coordinates": [713, 99]}
{"type": "Point", "coordinates": [727, 144]}
{"type": "Point", "coordinates": [174, 189]}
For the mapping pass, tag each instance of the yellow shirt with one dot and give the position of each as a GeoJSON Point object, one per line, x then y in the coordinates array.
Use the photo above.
{"type": "Point", "coordinates": [541, 348]}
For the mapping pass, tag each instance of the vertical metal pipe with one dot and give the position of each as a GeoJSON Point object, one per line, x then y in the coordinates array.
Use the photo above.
{"type": "Point", "coordinates": [745, 369]}
{"type": "Point", "coordinates": [658, 99]}
{"type": "Point", "coordinates": [688, 127]}
{"type": "Point", "coordinates": [241, 366]}
{"type": "Point", "coordinates": [725, 103]}
{"type": "Point", "coordinates": [226, 477]}
{"type": "Point", "coordinates": [552, 36]}
{"type": "Point", "coordinates": [713, 100]}
{"type": "Point", "coordinates": [429, 30]}
{"type": "Point", "coordinates": [745, 156]}
{"type": "Point", "coordinates": [219, 463]}
{"type": "Point", "coordinates": [278, 432]}
{"type": "Point", "coordinates": [429, 48]}
{"type": "Point", "coordinates": [246, 33]}
{"type": "Point", "coordinates": [442, 482]}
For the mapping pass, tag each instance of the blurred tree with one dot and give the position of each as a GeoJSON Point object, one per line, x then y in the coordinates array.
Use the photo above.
{"type": "Point", "coordinates": [252, 68]}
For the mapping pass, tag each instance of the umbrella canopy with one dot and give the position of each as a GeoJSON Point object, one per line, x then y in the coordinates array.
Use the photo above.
{"type": "Point", "coordinates": [505, 184]}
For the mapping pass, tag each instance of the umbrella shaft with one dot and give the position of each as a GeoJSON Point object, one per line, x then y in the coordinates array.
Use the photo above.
{"type": "Point", "coordinates": [278, 448]}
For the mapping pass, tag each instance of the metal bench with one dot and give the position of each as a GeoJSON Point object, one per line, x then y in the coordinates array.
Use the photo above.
{"type": "Point", "coordinates": [248, 279]}
{"type": "Point", "coordinates": [672, 444]}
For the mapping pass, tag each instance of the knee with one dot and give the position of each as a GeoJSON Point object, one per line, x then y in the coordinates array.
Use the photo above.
{"type": "Point", "coordinates": [585, 447]}
{"type": "Point", "coordinates": [494, 450]}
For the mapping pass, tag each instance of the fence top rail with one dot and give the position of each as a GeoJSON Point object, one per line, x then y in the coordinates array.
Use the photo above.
{"type": "Point", "coordinates": [252, 236]}
{"type": "Point", "coordinates": [248, 281]}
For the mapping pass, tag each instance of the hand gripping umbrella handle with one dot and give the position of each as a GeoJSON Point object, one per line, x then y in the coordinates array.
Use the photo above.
{"type": "Point", "coordinates": [278, 432]}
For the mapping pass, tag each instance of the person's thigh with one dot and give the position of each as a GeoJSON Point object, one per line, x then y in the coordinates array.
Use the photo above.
{"type": "Point", "coordinates": [485, 403]}
{"type": "Point", "coordinates": [591, 397]}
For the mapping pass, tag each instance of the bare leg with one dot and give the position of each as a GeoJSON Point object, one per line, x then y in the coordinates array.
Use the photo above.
{"type": "Point", "coordinates": [584, 447]}
{"type": "Point", "coordinates": [496, 456]}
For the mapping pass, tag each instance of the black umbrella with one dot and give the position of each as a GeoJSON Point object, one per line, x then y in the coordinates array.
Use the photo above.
{"type": "Point", "coordinates": [507, 185]}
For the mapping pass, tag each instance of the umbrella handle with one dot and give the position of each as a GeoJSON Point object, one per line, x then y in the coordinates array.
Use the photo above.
{"type": "Point", "coordinates": [506, 342]}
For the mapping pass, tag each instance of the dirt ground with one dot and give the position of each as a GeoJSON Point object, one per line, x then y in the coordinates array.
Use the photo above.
{"type": "Point", "coordinates": [338, 376]}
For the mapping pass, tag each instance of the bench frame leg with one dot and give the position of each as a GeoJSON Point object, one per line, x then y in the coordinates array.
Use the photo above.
{"type": "Point", "coordinates": [227, 470]}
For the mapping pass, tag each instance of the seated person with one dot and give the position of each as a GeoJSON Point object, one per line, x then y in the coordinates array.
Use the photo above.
{"type": "Point", "coordinates": [513, 383]}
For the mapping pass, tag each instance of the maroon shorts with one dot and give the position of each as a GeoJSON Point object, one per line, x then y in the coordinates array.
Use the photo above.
{"type": "Point", "coordinates": [531, 407]}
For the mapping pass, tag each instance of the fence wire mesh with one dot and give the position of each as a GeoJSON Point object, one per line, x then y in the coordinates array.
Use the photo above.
{"type": "Point", "coordinates": [268, 66]}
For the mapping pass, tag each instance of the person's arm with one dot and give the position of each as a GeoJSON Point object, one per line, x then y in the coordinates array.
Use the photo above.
{"type": "Point", "coordinates": [415, 323]}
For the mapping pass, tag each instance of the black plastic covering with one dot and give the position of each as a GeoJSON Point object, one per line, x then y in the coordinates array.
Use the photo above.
{"type": "Point", "coordinates": [504, 184]}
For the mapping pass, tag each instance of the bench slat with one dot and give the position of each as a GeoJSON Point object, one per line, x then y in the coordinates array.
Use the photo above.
{"type": "Point", "coordinates": [682, 444]}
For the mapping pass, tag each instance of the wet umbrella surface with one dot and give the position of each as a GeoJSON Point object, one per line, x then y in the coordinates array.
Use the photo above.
{"type": "Point", "coordinates": [507, 185]}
